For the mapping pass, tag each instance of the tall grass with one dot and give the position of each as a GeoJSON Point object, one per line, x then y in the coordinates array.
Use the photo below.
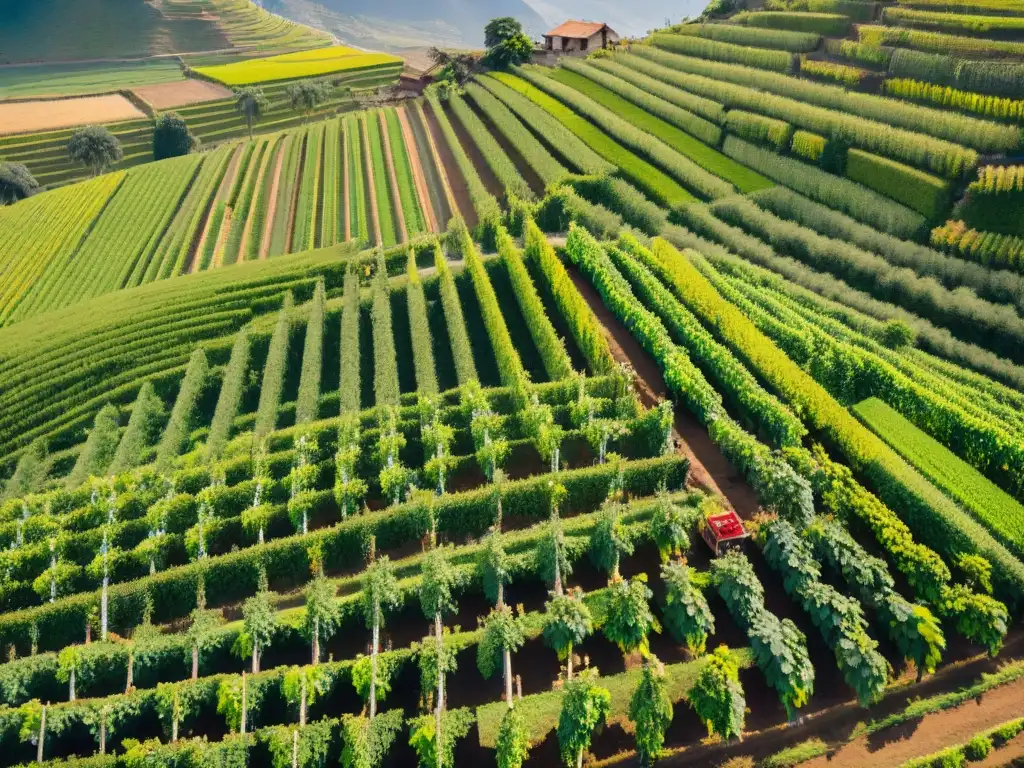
{"type": "Point", "coordinates": [831, 24]}
{"type": "Point", "coordinates": [757, 37]}
{"type": "Point", "coordinates": [762, 58]}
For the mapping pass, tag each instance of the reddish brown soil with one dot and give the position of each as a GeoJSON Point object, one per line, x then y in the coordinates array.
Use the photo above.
{"type": "Point", "coordinates": [371, 188]}
{"type": "Point", "coordinates": [168, 95]}
{"type": "Point", "coordinates": [47, 115]}
{"type": "Point", "coordinates": [1005, 755]}
{"type": "Point", "coordinates": [476, 157]}
{"type": "Point", "coordinates": [450, 169]}
{"type": "Point", "coordinates": [389, 161]}
{"type": "Point", "coordinates": [417, 170]}
{"type": "Point", "coordinates": [268, 223]}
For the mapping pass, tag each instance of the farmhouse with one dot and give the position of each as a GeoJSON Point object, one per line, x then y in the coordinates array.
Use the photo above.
{"type": "Point", "coordinates": [579, 36]}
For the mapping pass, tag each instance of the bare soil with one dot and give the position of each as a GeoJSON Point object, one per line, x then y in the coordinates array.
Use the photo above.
{"type": "Point", "coordinates": [442, 197]}
{"type": "Point", "coordinates": [450, 169]}
{"type": "Point", "coordinates": [417, 170]}
{"type": "Point", "coordinates": [50, 114]}
{"type": "Point", "coordinates": [268, 224]}
{"type": "Point", "coordinates": [476, 157]}
{"type": "Point", "coordinates": [222, 193]}
{"type": "Point", "coordinates": [396, 198]}
{"type": "Point", "coordinates": [179, 94]}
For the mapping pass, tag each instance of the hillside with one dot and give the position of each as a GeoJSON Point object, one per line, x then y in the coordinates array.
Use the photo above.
{"type": "Point", "coordinates": [632, 19]}
{"type": "Point", "coordinates": [76, 30]}
{"type": "Point", "coordinates": [680, 386]}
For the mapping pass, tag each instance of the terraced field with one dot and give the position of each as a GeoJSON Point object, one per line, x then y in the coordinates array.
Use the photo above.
{"type": "Point", "coordinates": [288, 427]}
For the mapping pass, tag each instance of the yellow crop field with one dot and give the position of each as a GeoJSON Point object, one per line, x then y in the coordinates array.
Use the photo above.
{"type": "Point", "coordinates": [292, 66]}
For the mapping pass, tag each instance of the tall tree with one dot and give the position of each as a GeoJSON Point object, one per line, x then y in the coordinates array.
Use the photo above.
{"type": "Point", "coordinates": [323, 616]}
{"type": "Point", "coordinates": [585, 706]}
{"type": "Point", "coordinates": [200, 630]}
{"type": "Point", "coordinates": [250, 103]}
{"type": "Point", "coordinates": [717, 696]}
{"type": "Point", "coordinates": [16, 183]}
{"type": "Point", "coordinates": [506, 43]}
{"type": "Point", "coordinates": [172, 137]}
{"type": "Point", "coordinates": [380, 593]}
{"type": "Point", "coordinates": [503, 634]}
{"type": "Point", "coordinates": [95, 147]}
{"type": "Point", "coordinates": [567, 622]}
{"type": "Point", "coordinates": [513, 744]}
{"type": "Point", "coordinates": [259, 620]}
{"type": "Point", "coordinates": [306, 95]}
{"type": "Point", "coordinates": [437, 598]}
{"type": "Point", "coordinates": [650, 709]}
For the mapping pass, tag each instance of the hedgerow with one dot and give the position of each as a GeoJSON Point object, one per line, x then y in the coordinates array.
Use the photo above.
{"type": "Point", "coordinates": [698, 105]}
{"type": "Point", "coordinates": [500, 164]}
{"type": "Point", "coordinates": [998, 78]}
{"type": "Point", "coordinates": [627, 201]}
{"type": "Point", "coordinates": [230, 397]}
{"type": "Point", "coordinates": [759, 129]}
{"type": "Point", "coordinates": [350, 385]}
{"type": "Point", "coordinates": [843, 74]}
{"type": "Point", "coordinates": [763, 58]}
{"type": "Point", "coordinates": [312, 360]}
{"type": "Point", "coordinates": [563, 204]}
{"type": "Point", "coordinates": [458, 335]}
{"type": "Point", "coordinates": [920, 191]}
{"type": "Point", "coordinates": [99, 448]}
{"type": "Point", "coordinates": [873, 55]}
{"type": "Point", "coordinates": [809, 146]}
{"type": "Point", "coordinates": [858, 116]}
{"type": "Point", "coordinates": [147, 412]}
{"type": "Point", "coordinates": [757, 37]}
{"type": "Point", "coordinates": [996, 107]}
{"type": "Point", "coordinates": [995, 200]}
{"type": "Point", "coordinates": [839, 194]}
{"type": "Point", "coordinates": [988, 248]}
{"type": "Point", "coordinates": [386, 389]}
{"type": "Point", "coordinates": [953, 22]}
{"type": "Point", "coordinates": [272, 382]}
{"type": "Point", "coordinates": [858, 10]}
{"type": "Point", "coordinates": [419, 331]}
{"type": "Point", "coordinates": [831, 24]}
{"type": "Point", "coordinates": [183, 414]}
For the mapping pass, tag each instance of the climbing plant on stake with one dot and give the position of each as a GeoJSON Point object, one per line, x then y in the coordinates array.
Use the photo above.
{"type": "Point", "coordinates": [380, 593]}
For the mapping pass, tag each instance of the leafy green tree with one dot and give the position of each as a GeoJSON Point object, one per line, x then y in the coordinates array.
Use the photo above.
{"type": "Point", "coordinates": [494, 567]}
{"type": "Point", "coordinates": [687, 613]}
{"type": "Point", "coordinates": [380, 593]}
{"type": "Point", "coordinates": [423, 731]}
{"type": "Point", "coordinates": [630, 619]}
{"type": "Point", "coordinates": [453, 68]}
{"type": "Point", "coordinates": [567, 622]}
{"type": "Point", "coordinates": [306, 95]}
{"type": "Point", "coordinates": [610, 540]}
{"type": "Point", "coordinates": [172, 137]}
{"type": "Point", "coordinates": [70, 662]}
{"type": "Point", "coordinates": [650, 710]}
{"type": "Point", "coordinates": [896, 334]}
{"type": "Point", "coordinates": [671, 526]}
{"type": "Point", "coordinates": [503, 633]}
{"type": "Point", "coordinates": [322, 616]}
{"type": "Point", "coordinates": [717, 696]}
{"type": "Point", "coordinates": [16, 183]}
{"type": "Point", "coordinates": [201, 628]}
{"type": "Point", "coordinates": [585, 706]}
{"type": "Point", "coordinates": [302, 686]}
{"type": "Point", "coordinates": [95, 147]}
{"type": "Point", "coordinates": [250, 103]}
{"type": "Point", "coordinates": [366, 742]}
{"type": "Point", "coordinates": [259, 620]}
{"type": "Point", "coordinates": [552, 562]}
{"type": "Point", "coordinates": [513, 744]}
{"type": "Point", "coordinates": [506, 43]}
{"type": "Point", "coordinates": [437, 597]}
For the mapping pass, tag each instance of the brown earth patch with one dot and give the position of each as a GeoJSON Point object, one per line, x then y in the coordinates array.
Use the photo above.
{"type": "Point", "coordinates": [50, 114]}
{"type": "Point", "coordinates": [180, 94]}
{"type": "Point", "coordinates": [222, 193]}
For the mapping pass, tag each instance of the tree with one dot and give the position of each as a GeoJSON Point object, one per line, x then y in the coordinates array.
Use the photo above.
{"type": "Point", "coordinates": [380, 592]}
{"type": "Point", "coordinates": [630, 619]}
{"type": "Point", "coordinates": [687, 613]}
{"type": "Point", "coordinates": [250, 104]}
{"type": "Point", "coordinates": [200, 631]}
{"type": "Point", "coordinates": [513, 745]}
{"type": "Point", "coordinates": [171, 137]}
{"type": "Point", "coordinates": [323, 616]}
{"type": "Point", "coordinates": [306, 95]}
{"type": "Point", "coordinates": [518, 49]}
{"type": "Point", "coordinates": [436, 599]}
{"type": "Point", "coordinates": [503, 634]}
{"type": "Point", "coordinates": [585, 706]}
{"type": "Point", "coordinates": [95, 147]}
{"type": "Point", "coordinates": [302, 686]}
{"type": "Point", "coordinates": [650, 709]}
{"type": "Point", "coordinates": [453, 67]}
{"type": "Point", "coordinates": [367, 741]}
{"type": "Point", "coordinates": [494, 567]}
{"type": "Point", "coordinates": [609, 541]}
{"type": "Point", "coordinates": [500, 29]}
{"type": "Point", "coordinates": [16, 183]}
{"type": "Point", "coordinates": [552, 562]}
{"type": "Point", "coordinates": [567, 622]}
{"type": "Point", "coordinates": [671, 526]}
{"type": "Point", "coordinates": [259, 621]}
{"type": "Point", "coordinates": [717, 696]}
{"type": "Point", "coordinates": [69, 663]}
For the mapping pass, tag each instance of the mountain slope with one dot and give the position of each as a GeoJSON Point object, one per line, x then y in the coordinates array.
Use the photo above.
{"type": "Point", "coordinates": [634, 18]}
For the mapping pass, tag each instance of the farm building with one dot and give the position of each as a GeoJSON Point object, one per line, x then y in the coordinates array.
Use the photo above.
{"type": "Point", "coordinates": [573, 36]}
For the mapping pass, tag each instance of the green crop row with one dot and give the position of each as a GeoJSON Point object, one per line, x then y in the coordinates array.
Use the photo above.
{"type": "Point", "coordinates": [999, 511]}
{"type": "Point", "coordinates": [998, 78]}
{"type": "Point", "coordinates": [358, 219]}
{"type": "Point", "coordinates": [458, 334]}
{"type": "Point", "coordinates": [809, 146]}
{"type": "Point", "coordinates": [563, 205]}
{"type": "Point", "coordinates": [952, 22]}
{"type": "Point", "coordinates": [244, 197]}
{"type": "Point", "coordinates": [831, 71]}
{"type": "Point", "coordinates": [940, 43]}
{"type": "Point", "coordinates": [959, 129]}
{"type": "Point", "coordinates": [994, 202]}
{"type": "Point", "coordinates": [381, 187]}
{"type": "Point", "coordinates": [332, 214]}
{"type": "Point", "coordinates": [763, 58]}
{"type": "Point", "coordinates": [858, 10]}
{"type": "Point", "coordinates": [966, 6]}
{"type": "Point", "coordinates": [876, 56]}
{"type": "Point", "coordinates": [777, 134]}
{"type": "Point", "coordinates": [415, 219]}
{"type": "Point", "coordinates": [307, 202]}
{"type": "Point", "coordinates": [256, 224]}
{"type": "Point", "coordinates": [312, 360]}
{"type": "Point", "coordinates": [919, 191]}
{"type": "Point", "coordinates": [711, 111]}
{"type": "Point", "coordinates": [758, 37]}
{"type": "Point", "coordinates": [706, 79]}
{"type": "Point", "coordinates": [988, 248]}
{"type": "Point", "coordinates": [419, 332]}
{"type": "Point", "coordinates": [500, 163]}
{"type": "Point", "coordinates": [996, 107]}
{"type": "Point", "coordinates": [625, 200]}
{"type": "Point", "coordinates": [831, 24]}
{"type": "Point", "coordinates": [272, 382]}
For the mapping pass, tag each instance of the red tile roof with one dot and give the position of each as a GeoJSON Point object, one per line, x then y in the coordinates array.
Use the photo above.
{"type": "Point", "coordinates": [577, 29]}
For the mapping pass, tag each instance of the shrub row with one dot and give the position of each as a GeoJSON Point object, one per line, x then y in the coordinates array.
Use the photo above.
{"type": "Point", "coordinates": [999, 78]}
{"type": "Point", "coordinates": [996, 107]}
{"type": "Point", "coordinates": [994, 202]}
{"type": "Point", "coordinates": [458, 335]}
{"type": "Point", "coordinates": [697, 105]}
{"type": "Point", "coordinates": [647, 136]}
{"type": "Point", "coordinates": [762, 58]}
{"type": "Point", "coordinates": [809, 146]}
{"type": "Point", "coordinates": [919, 191]}
{"type": "Point", "coordinates": [951, 272]}
{"type": "Point", "coordinates": [386, 389]}
{"type": "Point", "coordinates": [563, 205]}
{"type": "Point", "coordinates": [603, 73]}
{"type": "Point", "coordinates": [566, 143]}
{"type": "Point", "coordinates": [858, 10]}
{"type": "Point", "coordinates": [312, 360]}
{"type": "Point", "coordinates": [967, 6]}
{"type": "Point", "coordinates": [147, 411]}
{"type": "Point", "coordinates": [551, 348]}
{"type": "Point", "coordinates": [851, 77]}
{"type": "Point", "coordinates": [966, 314]}
{"type": "Point", "coordinates": [626, 200]}
{"type": "Point", "coordinates": [950, 46]}
{"type": "Point", "coordinates": [918, 149]}
{"type": "Point", "coordinates": [501, 164]}
{"type": "Point", "coordinates": [272, 383]}
{"type": "Point", "coordinates": [871, 55]}
{"type": "Point", "coordinates": [981, 135]}
{"type": "Point", "coordinates": [856, 201]}
{"type": "Point", "coordinates": [975, 750]}
{"type": "Point", "coordinates": [419, 331]}
{"type": "Point", "coordinates": [757, 37]}
{"type": "Point", "coordinates": [776, 134]}
{"type": "Point", "coordinates": [97, 451]}
{"type": "Point", "coordinates": [830, 24]}
{"type": "Point", "coordinates": [183, 414]}
{"type": "Point", "coordinates": [230, 397]}
{"type": "Point", "coordinates": [952, 22]}
{"type": "Point", "coordinates": [988, 248]}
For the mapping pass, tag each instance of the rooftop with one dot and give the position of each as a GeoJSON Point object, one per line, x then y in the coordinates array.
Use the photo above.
{"type": "Point", "coordinates": [577, 29]}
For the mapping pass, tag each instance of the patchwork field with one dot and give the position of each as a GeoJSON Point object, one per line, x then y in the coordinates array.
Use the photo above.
{"type": "Point", "coordinates": [169, 95]}
{"type": "Point", "coordinates": [32, 116]}
{"type": "Point", "coordinates": [430, 413]}
{"type": "Point", "coordinates": [89, 77]}
{"type": "Point", "coordinates": [293, 66]}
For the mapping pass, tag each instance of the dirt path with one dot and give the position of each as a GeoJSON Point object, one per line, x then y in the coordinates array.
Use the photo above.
{"type": "Point", "coordinates": [225, 187]}
{"type": "Point", "coordinates": [417, 169]}
{"type": "Point", "coordinates": [389, 161]}
{"type": "Point", "coordinates": [895, 746]}
{"type": "Point", "coordinates": [709, 469]}
{"type": "Point", "coordinates": [346, 138]}
{"type": "Point", "coordinates": [455, 184]}
{"type": "Point", "coordinates": [371, 188]}
{"type": "Point", "coordinates": [268, 223]}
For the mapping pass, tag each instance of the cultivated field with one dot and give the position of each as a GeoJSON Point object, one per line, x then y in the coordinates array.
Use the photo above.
{"type": "Point", "coordinates": [294, 66]}
{"type": "Point", "coordinates": [427, 413]}
{"type": "Point", "coordinates": [32, 116]}
{"type": "Point", "coordinates": [169, 95]}
{"type": "Point", "coordinates": [79, 79]}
